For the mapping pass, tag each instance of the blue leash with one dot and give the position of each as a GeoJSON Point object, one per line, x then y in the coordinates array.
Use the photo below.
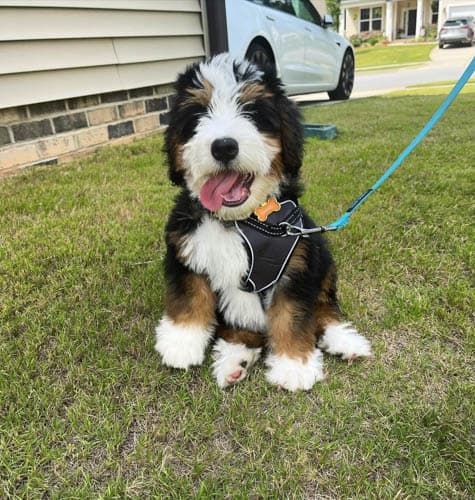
{"type": "Point", "coordinates": [345, 218]}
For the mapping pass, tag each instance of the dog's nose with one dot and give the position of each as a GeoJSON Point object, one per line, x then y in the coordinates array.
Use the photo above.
{"type": "Point", "coordinates": [224, 149]}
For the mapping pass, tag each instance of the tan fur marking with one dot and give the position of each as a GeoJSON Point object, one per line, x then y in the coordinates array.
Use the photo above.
{"type": "Point", "coordinates": [196, 306]}
{"type": "Point", "coordinates": [273, 142]}
{"type": "Point", "coordinates": [246, 337]}
{"type": "Point", "coordinates": [178, 152]}
{"type": "Point", "coordinates": [200, 96]}
{"type": "Point", "coordinates": [326, 312]}
{"type": "Point", "coordinates": [325, 315]}
{"type": "Point", "coordinates": [327, 284]}
{"type": "Point", "coordinates": [252, 91]}
{"type": "Point", "coordinates": [277, 163]}
{"type": "Point", "coordinates": [298, 261]}
{"type": "Point", "coordinates": [287, 336]}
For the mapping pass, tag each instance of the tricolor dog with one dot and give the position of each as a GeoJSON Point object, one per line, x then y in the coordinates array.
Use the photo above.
{"type": "Point", "coordinates": [234, 275]}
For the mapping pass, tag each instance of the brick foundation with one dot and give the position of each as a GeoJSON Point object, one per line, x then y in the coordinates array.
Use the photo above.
{"type": "Point", "coordinates": [52, 132]}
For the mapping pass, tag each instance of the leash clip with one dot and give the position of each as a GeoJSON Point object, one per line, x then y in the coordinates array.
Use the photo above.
{"type": "Point", "coordinates": [292, 230]}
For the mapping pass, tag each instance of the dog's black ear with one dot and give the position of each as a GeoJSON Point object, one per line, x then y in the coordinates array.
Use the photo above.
{"type": "Point", "coordinates": [291, 129]}
{"type": "Point", "coordinates": [171, 149]}
{"type": "Point", "coordinates": [291, 134]}
{"type": "Point", "coordinates": [179, 119]}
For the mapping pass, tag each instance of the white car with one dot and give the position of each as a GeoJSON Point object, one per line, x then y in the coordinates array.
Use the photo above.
{"type": "Point", "coordinates": [291, 34]}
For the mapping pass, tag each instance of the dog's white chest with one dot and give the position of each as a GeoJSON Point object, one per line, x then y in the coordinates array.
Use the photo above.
{"type": "Point", "coordinates": [217, 251]}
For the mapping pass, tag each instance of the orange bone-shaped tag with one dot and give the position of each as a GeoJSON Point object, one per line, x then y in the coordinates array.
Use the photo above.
{"type": "Point", "coordinates": [270, 206]}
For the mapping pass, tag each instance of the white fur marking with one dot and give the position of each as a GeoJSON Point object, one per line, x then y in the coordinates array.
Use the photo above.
{"type": "Point", "coordinates": [342, 339]}
{"type": "Point", "coordinates": [225, 118]}
{"type": "Point", "coordinates": [294, 374]}
{"type": "Point", "coordinates": [218, 252]}
{"type": "Point", "coordinates": [181, 346]}
{"type": "Point", "coordinates": [228, 358]}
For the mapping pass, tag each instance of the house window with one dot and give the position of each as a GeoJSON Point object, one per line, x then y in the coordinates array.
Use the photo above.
{"type": "Point", "coordinates": [434, 7]}
{"type": "Point", "coordinates": [371, 19]}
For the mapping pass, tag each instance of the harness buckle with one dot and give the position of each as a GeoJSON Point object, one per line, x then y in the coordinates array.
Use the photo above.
{"type": "Point", "coordinates": [292, 230]}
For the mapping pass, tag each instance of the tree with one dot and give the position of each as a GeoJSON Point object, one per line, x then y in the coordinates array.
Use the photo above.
{"type": "Point", "coordinates": [333, 7]}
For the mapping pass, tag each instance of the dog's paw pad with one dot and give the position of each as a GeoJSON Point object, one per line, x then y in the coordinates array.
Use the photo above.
{"type": "Point", "coordinates": [234, 377]}
{"type": "Point", "coordinates": [232, 362]}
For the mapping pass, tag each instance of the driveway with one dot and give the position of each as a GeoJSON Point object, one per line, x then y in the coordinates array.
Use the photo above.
{"type": "Point", "coordinates": [445, 64]}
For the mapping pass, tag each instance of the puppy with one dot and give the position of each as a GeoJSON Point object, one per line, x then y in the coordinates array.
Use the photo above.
{"type": "Point", "coordinates": [234, 146]}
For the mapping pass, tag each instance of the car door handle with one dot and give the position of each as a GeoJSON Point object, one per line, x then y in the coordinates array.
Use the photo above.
{"type": "Point", "coordinates": [270, 18]}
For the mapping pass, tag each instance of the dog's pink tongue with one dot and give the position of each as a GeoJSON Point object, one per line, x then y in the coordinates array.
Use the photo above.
{"type": "Point", "coordinates": [214, 189]}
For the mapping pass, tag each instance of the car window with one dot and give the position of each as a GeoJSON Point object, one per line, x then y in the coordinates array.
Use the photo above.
{"type": "Point", "coordinates": [455, 22]}
{"type": "Point", "coordinates": [282, 5]}
{"type": "Point", "coordinates": [305, 10]}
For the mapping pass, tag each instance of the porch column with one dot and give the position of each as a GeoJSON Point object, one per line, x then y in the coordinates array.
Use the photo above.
{"type": "Point", "coordinates": [389, 20]}
{"type": "Point", "coordinates": [341, 26]}
{"type": "Point", "coordinates": [419, 17]}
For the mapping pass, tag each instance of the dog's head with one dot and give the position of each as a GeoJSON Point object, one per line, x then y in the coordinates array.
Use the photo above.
{"type": "Point", "coordinates": [234, 138]}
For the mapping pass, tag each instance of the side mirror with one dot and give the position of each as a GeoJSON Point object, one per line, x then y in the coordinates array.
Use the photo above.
{"type": "Point", "coordinates": [327, 20]}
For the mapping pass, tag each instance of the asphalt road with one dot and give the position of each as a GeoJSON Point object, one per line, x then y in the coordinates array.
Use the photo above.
{"type": "Point", "coordinates": [445, 64]}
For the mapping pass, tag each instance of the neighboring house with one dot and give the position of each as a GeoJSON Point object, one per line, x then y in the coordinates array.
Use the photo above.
{"type": "Point", "coordinates": [399, 18]}
{"type": "Point", "coordinates": [75, 74]}
{"type": "Point", "coordinates": [321, 6]}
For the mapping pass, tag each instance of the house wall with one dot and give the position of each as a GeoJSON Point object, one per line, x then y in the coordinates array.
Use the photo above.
{"type": "Point", "coordinates": [78, 73]}
{"type": "Point", "coordinates": [446, 8]}
{"type": "Point", "coordinates": [321, 6]}
{"type": "Point", "coordinates": [353, 17]}
{"type": "Point", "coordinates": [353, 8]}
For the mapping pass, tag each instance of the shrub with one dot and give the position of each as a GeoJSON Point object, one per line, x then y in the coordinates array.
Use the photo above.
{"type": "Point", "coordinates": [356, 40]}
{"type": "Point", "coordinates": [430, 31]}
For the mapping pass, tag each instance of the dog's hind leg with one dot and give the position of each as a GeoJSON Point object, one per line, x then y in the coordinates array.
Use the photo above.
{"type": "Point", "coordinates": [234, 354]}
{"type": "Point", "coordinates": [341, 339]}
{"type": "Point", "coordinates": [334, 336]}
{"type": "Point", "coordinates": [189, 321]}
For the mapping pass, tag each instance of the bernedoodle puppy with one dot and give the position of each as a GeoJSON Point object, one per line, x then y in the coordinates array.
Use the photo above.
{"type": "Point", "coordinates": [234, 146]}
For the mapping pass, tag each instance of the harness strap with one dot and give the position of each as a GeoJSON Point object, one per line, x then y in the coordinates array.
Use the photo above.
{"type": "Point", "coordinates": [345, 218]}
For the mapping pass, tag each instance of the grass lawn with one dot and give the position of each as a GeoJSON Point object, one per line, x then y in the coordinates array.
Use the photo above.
{"type": "Point", "coordinates": [87, 411]}
{"type": "Point", "coordinates": [392, 54]}
{"type": "Point", "coordinates": [434, 88]}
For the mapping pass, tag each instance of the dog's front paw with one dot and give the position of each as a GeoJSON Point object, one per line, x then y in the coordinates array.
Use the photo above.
{"type": "Point", "coordinates": [232, 362]}
{"type": "Point", "coordinates": [294, 374]}
{"type": "Point", "coordinates": [341, 339]}
{"type": "Point", "coordinates": [181, 346]}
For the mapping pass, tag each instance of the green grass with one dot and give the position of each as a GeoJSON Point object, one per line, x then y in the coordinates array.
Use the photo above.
{"type": "Point", "coordinates": [392, 54]}
{"type": "Point", "coordinates": [87, 411]}
{"type": "Point", "coordinates": [441, 88]}
{"type": "Point", "coordinates": [432, 90]}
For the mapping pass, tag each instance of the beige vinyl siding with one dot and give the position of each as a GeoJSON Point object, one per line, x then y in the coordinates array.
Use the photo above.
{"type": "Point", "coordinates": [151, 5]}
{"type": "Point", "coordinates": [57, 49]}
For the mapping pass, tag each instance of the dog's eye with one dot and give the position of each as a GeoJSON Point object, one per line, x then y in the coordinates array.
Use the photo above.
{"type": "Point", "coordinates": [263, 114]}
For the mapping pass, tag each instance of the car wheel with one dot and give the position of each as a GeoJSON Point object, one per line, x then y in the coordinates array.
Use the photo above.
{"type": "Point", "coordinates": [260, 56]}
{"type": "Point", "coordinates": [347, 77]}
{"type": "Point", "coordinates": [441, 45]}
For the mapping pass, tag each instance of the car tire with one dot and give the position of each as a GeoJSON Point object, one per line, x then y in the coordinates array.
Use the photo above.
{"type": "Point", "coordinates": [346, 80]}
{"type": "Point", "coordinates": [441, 45]}
{"type": "Point", "coordinates": [261, 56]}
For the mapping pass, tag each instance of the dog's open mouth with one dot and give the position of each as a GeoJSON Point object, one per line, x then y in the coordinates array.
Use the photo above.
{"type": "Point", "coordinates": [227, 188]}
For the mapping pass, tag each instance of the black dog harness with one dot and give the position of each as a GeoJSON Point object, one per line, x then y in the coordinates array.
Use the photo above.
{"type": "Point", "coordinates": [269, 245]}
